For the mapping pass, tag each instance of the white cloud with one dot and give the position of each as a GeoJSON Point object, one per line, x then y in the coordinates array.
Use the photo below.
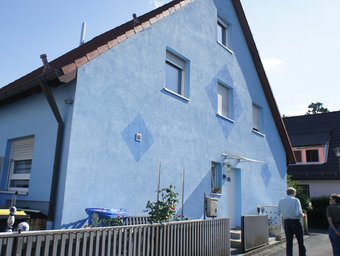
{"type": "Point", "coordinates": [157, 3]}
{"type": "Point", "coordinates": [272, 63]}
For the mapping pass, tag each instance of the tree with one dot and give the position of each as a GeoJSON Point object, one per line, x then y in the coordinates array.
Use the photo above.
{"type": "Point", "coordinates": [316, 108]}
{"type": "Point", "coordinates": [305, 201]}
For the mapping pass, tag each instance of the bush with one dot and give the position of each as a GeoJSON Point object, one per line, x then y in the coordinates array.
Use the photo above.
{"type": "Point", "coordinates": [105, 222]}
{"type": "Point", "coordinates": [306, 203]}
{"type": "Point", "coordinates": [163, 210]}
{"type": "Point", "coordinates": [317, 218]}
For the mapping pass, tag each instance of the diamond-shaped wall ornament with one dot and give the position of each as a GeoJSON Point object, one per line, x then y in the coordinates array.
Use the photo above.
{"type": "Point", "coordinates": [137, 147]}
{"type": "Point", "coordinates": [211, 90]}
{"type": "Point", "coordinates": [265, 173]}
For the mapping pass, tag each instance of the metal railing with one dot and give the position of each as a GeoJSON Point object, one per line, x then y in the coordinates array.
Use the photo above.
{"type": "Point", "coordinates": [255, 231]}
{"type": "Point", "coordinates": [196, 237]}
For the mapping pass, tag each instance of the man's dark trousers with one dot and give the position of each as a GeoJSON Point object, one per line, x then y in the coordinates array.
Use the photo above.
{"type": "Point", "coordinates": [294, 227]}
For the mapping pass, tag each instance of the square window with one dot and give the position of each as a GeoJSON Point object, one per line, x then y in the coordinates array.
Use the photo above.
{"type": "Point", "coordinates": [176, 74]}
{"type": "Point", "coordinates": [21, 164]}
{"type": "Point", "coordinates": [312, 155]}
{"type": "Point", "coordinates": [222, 32]}
{"type": "Point", "coordinates": [223, 100]}
{"type": "Point", "coordinates": [256, 118]}
{"type": "Point", "coordinates": [216, 178]}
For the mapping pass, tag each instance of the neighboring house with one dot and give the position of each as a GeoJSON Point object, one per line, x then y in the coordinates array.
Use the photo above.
{"type": "Point", "coordinates": [181, 87]}
{"type": "Point", "coordinates": [316, 144]}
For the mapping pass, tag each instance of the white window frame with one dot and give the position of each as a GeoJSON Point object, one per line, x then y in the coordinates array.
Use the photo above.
{"type": "Point", "coordinates": [223, 33]}
{"type": "Point", "coordinates": [224, 100]}
{"type": "Point", "coordinates": [177, 62]}
{"type": "Point", "coordinates": [21, 150]}
{"type": "Point", "coordinates": [216, 178]}
{"type": "Point", "coordinates": [322, 154]}
{"type": "Point", "coordinates": [257, 118]}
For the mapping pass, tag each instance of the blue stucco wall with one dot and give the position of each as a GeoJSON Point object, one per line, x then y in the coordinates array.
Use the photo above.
{"type": "Point", "coordinates": [32, 116]}
{"type": "Point", "coordinates": [121, 93]}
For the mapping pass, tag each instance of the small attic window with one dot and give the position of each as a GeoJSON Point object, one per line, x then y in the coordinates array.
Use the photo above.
{"type": "Point", "coordinates": [223, 33]}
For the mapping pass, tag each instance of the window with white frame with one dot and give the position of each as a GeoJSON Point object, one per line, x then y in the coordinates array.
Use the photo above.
{"type": "Point", "coordinates": [176, 74]}
{"type": "Point", "coordinates": [310, 154]}
{"type": "Point", "coordinates": [21, 164]}
{"type": "Point", "coordinates": [256, 118]}
{"type": "Point", "coordinates": [222, 32]}
{"type": "Point", "coordinates": [223, 100]}
{"type": "Point", "coordinates": [216, 178]}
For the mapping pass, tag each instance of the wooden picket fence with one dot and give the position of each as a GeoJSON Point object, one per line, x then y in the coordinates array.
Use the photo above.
{"type": "Point", "coordinates": [182, 238]}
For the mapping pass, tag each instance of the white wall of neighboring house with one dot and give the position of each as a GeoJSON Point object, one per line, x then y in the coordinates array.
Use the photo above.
{"type": "Point", "coordinates": [318, 188]}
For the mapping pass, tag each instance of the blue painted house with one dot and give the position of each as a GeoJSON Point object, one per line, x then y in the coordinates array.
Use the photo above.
{"type": "Point", "coordinates": [180, 89]}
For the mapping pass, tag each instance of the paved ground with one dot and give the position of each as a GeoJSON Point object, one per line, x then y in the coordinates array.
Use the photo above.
{"type": "Point", "coordinates": [317, 244]}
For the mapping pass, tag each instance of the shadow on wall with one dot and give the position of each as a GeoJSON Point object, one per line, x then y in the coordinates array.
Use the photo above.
{"type": "Point", "coordinates": [76, 224]}
{"type": "Point", "coordinates": [194, 205]}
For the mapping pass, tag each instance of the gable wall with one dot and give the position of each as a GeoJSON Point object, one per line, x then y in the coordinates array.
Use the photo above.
{"type": "Point", "coordinates": [124, 88]}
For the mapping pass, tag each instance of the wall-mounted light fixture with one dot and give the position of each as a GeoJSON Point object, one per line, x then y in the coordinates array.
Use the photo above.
{"type": "Point", "coordinates": [138, 137]}
{"type": "Point", "coordinates": [68, 101]}
{"type": "Point", "coordinates": [230, 163]}
{"type": "Point", "coordinates": [337, 151]}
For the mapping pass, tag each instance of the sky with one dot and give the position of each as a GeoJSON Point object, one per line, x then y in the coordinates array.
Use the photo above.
{"type": "Point", "coordinates": [298, 40]}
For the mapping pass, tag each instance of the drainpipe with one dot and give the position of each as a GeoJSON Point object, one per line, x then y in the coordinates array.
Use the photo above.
{"type": "Point", "coordinates": [58, 148]}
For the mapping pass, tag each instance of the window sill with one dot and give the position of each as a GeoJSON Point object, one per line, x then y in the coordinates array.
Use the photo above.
{"type": "Point", "coordinates": [177, 95]}
{"type": "Point", "coordinates": [259, 133]}
{"type": "Point", "coordinates": [225, 47]}
{"type": "Point", "coordinates": [10, 192]}
{"type": "Point", "coordinates": [212, 194]}
{"type": "Point", "coordinates": [225, 118]}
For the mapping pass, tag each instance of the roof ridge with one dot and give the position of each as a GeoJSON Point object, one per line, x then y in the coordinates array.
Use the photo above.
{"type": "Point", "coordinates": [121, 33]}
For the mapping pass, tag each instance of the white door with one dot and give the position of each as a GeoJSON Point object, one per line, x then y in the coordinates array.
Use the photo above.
{"type": "Point", "coordinates": [233, 197]}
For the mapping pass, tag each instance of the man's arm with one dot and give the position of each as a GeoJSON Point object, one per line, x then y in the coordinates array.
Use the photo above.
{"type": "Point", "coordinates": [298, 209]}
{"type": "Point", "coordinates": [330, 222]}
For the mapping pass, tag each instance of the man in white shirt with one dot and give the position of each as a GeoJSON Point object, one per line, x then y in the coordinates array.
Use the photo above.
{"type": "Point", "coordinates": [291, 212]}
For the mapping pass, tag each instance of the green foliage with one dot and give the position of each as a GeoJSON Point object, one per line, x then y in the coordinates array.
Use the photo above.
{"type": "Point", "coordinates": [316, 108]}
{"type": "Point", "coordinates": [105, 222]}
{"type": "Point", "coordinates": [163, 210]}
{"type": "Point", "coordinates": [317, 217]}
{"type": "Point", "coordinates": [306, 203]}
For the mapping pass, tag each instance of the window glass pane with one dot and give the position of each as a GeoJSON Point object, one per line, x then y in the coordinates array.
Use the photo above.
{"type": "Point", "coordinates": [312, 155]}
{"type": "Point", "coordinates": [22, 167]}
{"type": "Point", "coordinates": [19, 183]}
{"type": "Point", "coordinates": [173, 78]}
{"type": "Point", "coordinates": [223, 100]}
{"type": "Point", "coordinates": [219, 33]}
{"type": "Point", "coordinates": [298, 156]}
{"type": "Point", "coordinates": [222, 33]}
{"type": "Point", "coordinates": [256, 118]}
{"type": "Point", "coordinates": [216, 176]}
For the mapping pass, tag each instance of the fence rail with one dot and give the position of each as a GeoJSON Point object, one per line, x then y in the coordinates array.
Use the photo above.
{"type": "Point", "coordinates": [199, 237]}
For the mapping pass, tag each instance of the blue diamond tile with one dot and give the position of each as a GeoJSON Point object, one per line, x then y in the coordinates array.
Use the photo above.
{"type": "Point", "coordinates": [137, 148]}
{"type": "Point", "coordinates": [265, 173]}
